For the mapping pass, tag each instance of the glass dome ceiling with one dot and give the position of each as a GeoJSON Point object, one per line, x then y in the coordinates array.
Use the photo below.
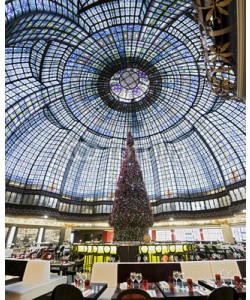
{"type": "Point", "coordinates": [80, 75]}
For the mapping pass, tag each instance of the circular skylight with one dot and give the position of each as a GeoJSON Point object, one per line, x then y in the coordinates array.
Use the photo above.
{"type": "Point", "coordinates": [129, 85]}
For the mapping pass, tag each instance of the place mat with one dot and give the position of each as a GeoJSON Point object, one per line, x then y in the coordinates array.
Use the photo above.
{"type": "Point", "coordinates": [87, 293]}
{"type": "Point", "coordinates": [151, 293]}
{"type": "Point", "coordinates": [203, 292]}
{"type": "Point", "coordinates": [209, 281]}
{"type": "Point", "coordinates": [164, 284]}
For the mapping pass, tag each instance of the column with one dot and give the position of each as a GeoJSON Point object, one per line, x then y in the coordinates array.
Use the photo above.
{"type": "Point", "coordinates": [67, 234]}
{"type": "Point", "coordinates": [201, 234]}
{"type": "Point", "coordinates": [107, 236]}
{"type": "Point", "coordinates": [40, 236]}
{"type": "Point", "coordinates": [227, 233]}
{"type": "Point", "coordinates": [153, 235]}
{"type": "Point", "coordinates": [173, 234]}
{"type": "Point", "coordinates": [241, 48]}
{"type": "Point", "coordinates": [11, 235]}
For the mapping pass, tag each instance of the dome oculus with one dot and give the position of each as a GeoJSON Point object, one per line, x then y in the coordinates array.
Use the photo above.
{"type": "Point", "coordinates": [129, 85]}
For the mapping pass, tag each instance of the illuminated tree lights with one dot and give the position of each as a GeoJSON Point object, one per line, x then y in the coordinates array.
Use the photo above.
{"type": "Point", "coordinates": [131, 215]}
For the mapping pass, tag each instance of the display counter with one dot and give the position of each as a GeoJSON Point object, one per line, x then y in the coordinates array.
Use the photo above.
{"type": "Point", "coordinates": [127, 252]}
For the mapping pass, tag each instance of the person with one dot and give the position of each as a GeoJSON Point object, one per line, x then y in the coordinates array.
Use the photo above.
{"type": "Point", "coordinates": [165, 258]}
{"type": "Point", "coordinates": [61, 250]}
{"type": "Point", "coordinates": [66, 250]}
{"type": "Point", "coordinates": [73, 255]}
{"type": "Point", "coordinates": [57, 251]}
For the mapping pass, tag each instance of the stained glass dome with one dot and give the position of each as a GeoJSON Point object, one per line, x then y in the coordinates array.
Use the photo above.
{"type": "Point", "coordinates": [82, 74]}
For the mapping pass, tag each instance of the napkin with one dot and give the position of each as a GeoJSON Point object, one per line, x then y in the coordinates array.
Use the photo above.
{"type": "Point", "coordinates": [151, 293]}
{"type": "Point", "coordinates": [203, 292]}
{"type": "Point", "coordinates": [123, 285]}
{"type": "Point", "coordinates": [164, 284]}
{"type": "Point", "coordinates": [87, 293]}
{"type": "Point", "coordinates": [209, 281]}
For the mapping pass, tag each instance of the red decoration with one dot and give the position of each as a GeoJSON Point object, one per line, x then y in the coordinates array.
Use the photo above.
{"type": "Point", "coordinates": [132, 214]}
{"type": "Point", "coordinates": [87, 283]}
{"type": "Point", "coordinates": [171, 284]}
{"type": "Point", "coordinates": [190, 285]}
{"type": "Point", "coordinates": [237, 282]}
{"type": "Point", "coordinates": [217, 277]}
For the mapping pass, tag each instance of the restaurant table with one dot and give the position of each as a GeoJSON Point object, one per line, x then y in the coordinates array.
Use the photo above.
{"type": "Point", "coordinates": [151, 286]}
{"type": "Point", "coordinates": [96, 290]}
{"type": "Point", "coordinates": [180, 294]}
{"type": "Point", "coordinates": [210, 285]}
{"type": "Point", "coordinates": [62, 266]}
{"type": "Point", "coordinates": [9, 279]}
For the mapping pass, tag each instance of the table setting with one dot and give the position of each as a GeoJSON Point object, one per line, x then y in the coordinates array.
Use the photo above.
{"type": "Point", "coordinates": [89, 290]}
{"type": "Point", "coordinates": [136, 281]}
{"type": "Point", "coordinates": [182, 289]}
{"type": "Point", "coordinates": [225, 279]}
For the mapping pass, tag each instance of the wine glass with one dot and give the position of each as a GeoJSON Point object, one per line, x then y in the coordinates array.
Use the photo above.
{"type": "Point", "coordinates": [181, 276]}
{"type": "Point", "coordinates": [139, 278]}
{"type": "Point", "coordinates": [133, 277]}
{"type": "Point", "coordinates": [223, 274]}
{"type": "Point", "coordinates": [176, 276]}
{"type": "Point", "coordinates": [83, 277]}
{"type": "Point", "coordinates": [231, 275]}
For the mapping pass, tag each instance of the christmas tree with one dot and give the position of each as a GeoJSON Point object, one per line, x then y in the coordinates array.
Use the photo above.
{"type": "Point", "coordinates": [132, 214]}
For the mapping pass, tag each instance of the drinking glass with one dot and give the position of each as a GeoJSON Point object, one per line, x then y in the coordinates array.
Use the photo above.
{"type": "Point", "coordinates": [129, 283]}
{"type": "Point", "coordinates": [139, 278]}
{"type": "Point", "coordinates": [190, 284]}
{"type": "Point", "coordinates": [145, 284]}
{"type": "Point", "coordinates": [176, 276]}
{"type": "Point", "coordinates": [133, 277]}
{"type": "Point", "coordinates": [87, 283]}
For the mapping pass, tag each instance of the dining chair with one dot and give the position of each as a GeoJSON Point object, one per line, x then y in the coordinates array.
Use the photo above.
{"type": "Point", "coordinates": [133, 294]}
{"type": "Point", "coordinates": [66, 292]}
{"type": "Point", "coordinates": [78, 267]}
{"type": "Point", "coordinates": [223, 293]}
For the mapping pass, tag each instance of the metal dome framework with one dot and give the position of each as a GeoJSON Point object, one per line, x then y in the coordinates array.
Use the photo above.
{"type": "Point", "coordinates": [66, 132]}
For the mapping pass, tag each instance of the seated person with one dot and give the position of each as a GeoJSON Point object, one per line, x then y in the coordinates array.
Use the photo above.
{"type": "Point", "coordinates": [165, 258]}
